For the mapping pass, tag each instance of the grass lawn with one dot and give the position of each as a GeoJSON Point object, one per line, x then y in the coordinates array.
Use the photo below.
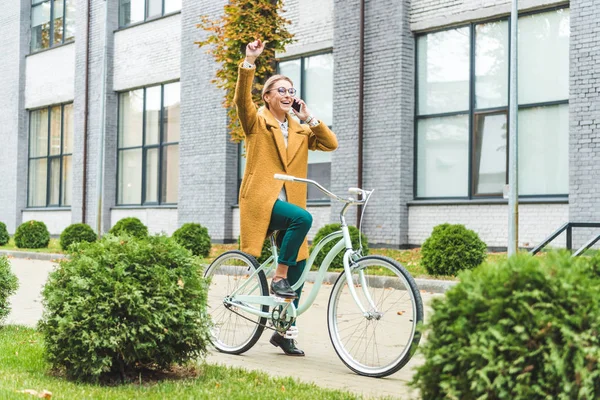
{"type": "Point", "coordinates": [22, 367]}
{"type": "Point", "coordinates": [53, 247]}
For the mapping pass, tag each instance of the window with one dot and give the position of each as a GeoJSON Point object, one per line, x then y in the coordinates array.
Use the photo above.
{"type": "Point", "coordinates": [45, 34]}
{"type": "Point", "coordinates": [132, 11]}
{"type": "Point", "coordinates": [148, 145]}
{"type": "Point", "coordinates": [50, 156]}
{"type": "Point", "coordinates": [313, 78]}
{"type": "Point", "coordinates": [462, 108]}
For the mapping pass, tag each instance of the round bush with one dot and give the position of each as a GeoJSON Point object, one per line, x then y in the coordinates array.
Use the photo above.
{"type": "Point", "coordinates": [123, 303]}
{"type": "Point", "coordinates": [8, 286]}
{"type": "Point", "coordinates": [131, 226]}
{"type": "Point", "coordinates": [193, 237]}
{"type": "Point", "coordinates": [4, 237]}
{"type": "Point", "coordinates": [32, 235]}
{"type": "Point", "coordinates": [77, 233]}
{"type": "Point", "coordinates": [338, 260]}
{"type": "Point", "coordinates": [452, 248]}
{"type": "Point", "coordinates": [525, 328]}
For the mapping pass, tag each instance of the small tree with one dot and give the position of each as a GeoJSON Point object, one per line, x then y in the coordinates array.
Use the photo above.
{"type": "Point", "coordinates": [243, 22]}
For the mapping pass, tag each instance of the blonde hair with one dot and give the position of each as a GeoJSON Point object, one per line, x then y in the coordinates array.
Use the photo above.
{"type": "Point", "coordinates": [271, 82]}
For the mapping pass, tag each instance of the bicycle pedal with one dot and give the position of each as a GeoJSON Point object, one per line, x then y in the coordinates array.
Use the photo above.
{"type": "Point", "coordinates": [291, 333]}
{"type": "Point", "coordinates": [281, 299]}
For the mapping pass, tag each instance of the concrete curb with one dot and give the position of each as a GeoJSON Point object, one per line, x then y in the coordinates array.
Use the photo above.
{"type": "Point", "coordinates": [428, 285]}
{"type": "Point", "coordinates": [32, 255]}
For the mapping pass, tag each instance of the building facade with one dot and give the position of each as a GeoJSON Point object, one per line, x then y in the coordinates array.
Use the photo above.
{"type": "Point", "coordinates": [109, 112]}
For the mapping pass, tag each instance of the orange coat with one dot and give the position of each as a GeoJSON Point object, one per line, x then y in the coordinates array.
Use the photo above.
{"type": "Point", "coordinates": [267, 155]}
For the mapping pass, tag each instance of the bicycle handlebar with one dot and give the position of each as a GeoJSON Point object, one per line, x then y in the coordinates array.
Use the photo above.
{"type": "Point", "coordinates": [364, 193]}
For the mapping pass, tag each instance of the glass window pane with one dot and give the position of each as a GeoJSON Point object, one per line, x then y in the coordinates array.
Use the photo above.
{"type": "Point", "coordinates": [443, 71]}
{"type": "Point", "coordinates": [130, 177]}
{"type": "Point", "coordinates": [153, 95]}
{"type": "Point", "coordinates": [172, 6]}
{"type": "Point", "coordinates": [443, 156]}
{"type": "Point", "coordinates": [67, 181]}
{"type": "Point", "coordinates": [489, 153]}
{"type": "Point", "coordinates": [491, 64]}
{"type": "Point", "coordinates": [131, 11]}
{"type": "Point", "coordinates": [40, 26]}
{"type": "Point", "coordinates": [131, 108]}
{"type": "Point", "coordinates": [68, 128]}
{"type": "Point", "coordinates": [544, 150]}
{"type": "Point", "coordinates": [320, 172]}
{"type": "Point", "coordinates": [318, 86]}
{"type": "Point", "coordinates": [154, 8]}
{"type": "Point", "coordinates": [151, 195]}
{"type": "Point", "coordinates": [58, 21]}
{"type": "Point", "coordinates": [37, 182]}
{"type": "Point", "coordinates": [172, 112]}
{"type": "Point", "coordinates": [544, 57]}
{"type": "Point", "coordinates": [55, 129]}
{"type": "Point", "coordinates": [38, 136]}
{"type": "Point", "coordinates": [54, 181]}
{"type": "Point", "coordinates": [291, 69]}
{"type": "Point", "coordinates": [170, 174]}
{"type": "Point", "coordinates": [69, 20]}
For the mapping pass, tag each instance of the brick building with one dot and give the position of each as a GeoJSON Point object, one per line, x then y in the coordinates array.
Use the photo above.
{"type": "Point", "coordinates": [434, 122]}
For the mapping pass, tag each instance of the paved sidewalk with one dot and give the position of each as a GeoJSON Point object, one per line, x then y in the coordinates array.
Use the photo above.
{"type": "Point", "coordinates": [321, 364]}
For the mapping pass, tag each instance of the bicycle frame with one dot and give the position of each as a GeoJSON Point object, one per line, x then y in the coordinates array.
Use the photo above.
{"type": "Point", "coordinates": [244, 301]}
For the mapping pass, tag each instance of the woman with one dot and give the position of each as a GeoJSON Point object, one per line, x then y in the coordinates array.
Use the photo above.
{"type": "Point", "coordinates": [277, 144]}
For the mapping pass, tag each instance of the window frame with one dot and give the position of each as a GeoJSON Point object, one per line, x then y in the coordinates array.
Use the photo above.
{"type": "Point", "coordinates": [160, 146]}
{"type": "Point", "coordinates": [146, 17]}
{"type": "Point", "coordinates": [51, 43]}
{"type": "Point", "coordinates": [301, 90]}
{"type": "Point", "coordinates": [49, 157]}
{"type": "Point", "coordinates": [474, 112]}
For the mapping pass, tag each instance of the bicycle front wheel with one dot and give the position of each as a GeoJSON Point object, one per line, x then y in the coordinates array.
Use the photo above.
{"type": "Point", "coordinates": [235, 330]}
{"type": "Point", "coordinates": [381, 340]}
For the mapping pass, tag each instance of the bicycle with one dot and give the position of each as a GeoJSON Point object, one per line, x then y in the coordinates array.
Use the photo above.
{"type": "Point", "coordinates": [374, 301]}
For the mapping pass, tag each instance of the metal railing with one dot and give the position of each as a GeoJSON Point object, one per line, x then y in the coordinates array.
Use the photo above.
{"type": "Point", "coordinates": [568, 227]}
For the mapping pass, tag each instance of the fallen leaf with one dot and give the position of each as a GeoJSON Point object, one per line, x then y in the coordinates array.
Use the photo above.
{"type": "Point", "coordinates": [282, 388]}
{"type": "Point", "coordinates": [44, 394]}
{"type": "Point", "coordinates": [218, 385]}
{"type": "Point", "coordinates": [180, 283]}
{"type": "Point", "coordinates": [400, 312]}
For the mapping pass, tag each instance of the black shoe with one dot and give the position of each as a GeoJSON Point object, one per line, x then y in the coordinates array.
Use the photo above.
{"type": "Point", "coordinates": [287, 345]}
{"type": "Point", "coordinates": [283, 289]}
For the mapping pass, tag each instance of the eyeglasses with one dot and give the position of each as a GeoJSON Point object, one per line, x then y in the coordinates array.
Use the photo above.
{"type": "Point", "coordinates": [282, 91]}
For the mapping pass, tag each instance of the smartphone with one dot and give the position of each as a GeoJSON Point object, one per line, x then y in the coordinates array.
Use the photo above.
{"type": "Point", "coordinates": [296, 105]}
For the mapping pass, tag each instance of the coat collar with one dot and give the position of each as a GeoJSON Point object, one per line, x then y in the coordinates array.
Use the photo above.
{"type": "Point", "coordinates": [294, 140]}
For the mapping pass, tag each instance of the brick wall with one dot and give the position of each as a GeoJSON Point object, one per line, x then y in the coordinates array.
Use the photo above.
{"type": "Point", "coordinates": [311, 25]}
{"type": "Point", "coordinates": [434, 14]}
{"type": "Point", "coordinates": [148, 53]}
{"type": "Point", "coordinates": [14, 23]}
{"type": "Point", "coordinates": [208, 159]}
{"type": "Point", "coordinates": [158, 220]}
{"type": "Point", "coordinates": [536, 222]}
{"type": "Point", "coordinates": [56, 221]}
{"type": "Point", "coordinates": [584, 118]}
{"type": "Point", "coordinates": [50, 77]}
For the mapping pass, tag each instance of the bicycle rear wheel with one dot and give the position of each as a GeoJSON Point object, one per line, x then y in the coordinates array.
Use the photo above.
{"type": "Point", "coordinates": [234, 330]}
{"type": "Point", "coordinates": [381, 341]}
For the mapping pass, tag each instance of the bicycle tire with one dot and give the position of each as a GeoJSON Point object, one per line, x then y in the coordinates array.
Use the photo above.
{"type": "Point", "coordinates": [399, 320]}
{"type": "Point", "coordinates": [231, 331]}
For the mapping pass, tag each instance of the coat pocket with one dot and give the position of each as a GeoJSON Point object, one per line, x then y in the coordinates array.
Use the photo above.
{"type": "Point", "coordinates": [245, 184]}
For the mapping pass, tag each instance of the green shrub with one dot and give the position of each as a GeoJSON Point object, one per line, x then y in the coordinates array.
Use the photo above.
{"type": "Point", "coordinates": [32, 235]}
{"type": "Point", "coordinates": [193, 237]}
{"type": "Point", "coordinates": [122, 303]}
{"type": "Point", "coordinates": [452, 248]}
{"type": "Point", "coordinates": [4, 237]}
{"type": "Point", "coordinates": [130, 226]}
{"type": "Point", "coordinates": [338, 260]}
{"type": "Point", "coordinates": [525, 328]}
{"type": "Point", "coordinates": [8, 286]}
{"type": "Point", "coordinates": [77, 233]}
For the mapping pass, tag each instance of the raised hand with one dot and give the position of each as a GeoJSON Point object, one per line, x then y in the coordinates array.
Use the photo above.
{"type": "Point", "coordinates": [254, 49]}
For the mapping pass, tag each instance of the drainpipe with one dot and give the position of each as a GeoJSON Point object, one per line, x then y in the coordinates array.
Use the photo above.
{"type": "Point", "coordinates": [85, 115]}
{"type": "Point", "coordinates": [100, 165]}
{"type": "Point", "coordinates": [361, 78]}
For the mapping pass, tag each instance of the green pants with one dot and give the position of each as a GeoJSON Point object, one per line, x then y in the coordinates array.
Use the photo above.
{"type": "Point", "coordinates": [293, 223]}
